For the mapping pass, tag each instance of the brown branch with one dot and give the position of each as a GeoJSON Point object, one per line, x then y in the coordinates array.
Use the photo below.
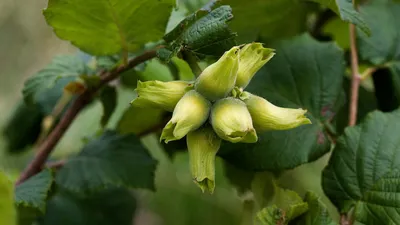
{"type": "Point", "coordinates": [356, 78]}
{"type": "Point", "coordinates": [48, 121]}
{"type": "Point", "coordinates": [47, 146]}
{"type": "Point", "coordinates": [354, 88]}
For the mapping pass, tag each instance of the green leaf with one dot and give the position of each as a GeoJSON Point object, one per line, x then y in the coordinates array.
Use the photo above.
{"type": "Point", "coordinates": [272, 20]}
{"type": "Point", "coordinates": [111, 160]}
{"type": "Point", "coordinates": [363, 171]}
{"type": "Point", "coordinates": [291, 203]}
{"type": "Point", "coordinates": [107, 27]}
{"type": "Point", "coordinates": [303, 74]}
{"type": "Point", "coordinates": [41, 93]}
{"type": "Point", "coordinates": [183, 69]}
{"type": "Point", "coordinates": [106, 208]}
{"type": "Point", "coordinates": [24, 124]}
{"type": "Point", "coordinates": [108, 98]}
{"type": "Point", "coordinates": [193, 5]}
{"type": "Point", "coordinates": [22, 127]}
{"type": "Point", "coordinates": [202, 34]}
{"type": "Point", "coordinates": [271, 215]}
{"type": "Point", "coordinates": [339, 30]}
{"type": "Point", "coordinates": [383, 45]}
{"type": "Point", "coordinates": [347, 12]}
{"type": "Point", "coordinates": [268, 194]}
{"type": "Point", "coordinates": [155, 70]}
{"type": "Point", "coordinates": [382, 49]}
{"type": "Point", "coordinates": [33, 192]}
{"type": "Point", "coordinates": [65, 66]}
{"type": "Point", "coordinates": [317, 213]}
{"type": "Point", "coordinates": [8, 215]}
{"type": "Point", "coordinates": [31, 197]}
{"type": "Point", "coordinates": [47, 99]}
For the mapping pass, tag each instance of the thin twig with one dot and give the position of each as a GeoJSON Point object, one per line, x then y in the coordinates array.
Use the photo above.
{"type": "Point", "coordinates": [47, 146]}
{"type": "Point", "coordinates": [356, 78]}
{"type": "Point", "coordinates": [355, 82]}
{"type": "Point", "coordinates": [355, 86]}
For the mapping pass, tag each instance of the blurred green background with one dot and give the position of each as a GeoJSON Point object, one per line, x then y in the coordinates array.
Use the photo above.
{"type": "Point", "coordinates": [27, 44]}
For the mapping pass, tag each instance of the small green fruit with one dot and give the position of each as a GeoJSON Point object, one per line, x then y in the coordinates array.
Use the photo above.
{"type": "Point", "coordinates": [267, 116]}
{"type": "Point", "coordinates": [232, 121]}
{"type": "Point", "coordinates": [218, 79]}
{"type": "Point", "coordinates": [158, 94]}
{"type": "Point", "coordinates": [252, 57]}
{"type": "Point", "coordinates": [189, 114]}
{"type": "Point", "coordinates": [203, 145]}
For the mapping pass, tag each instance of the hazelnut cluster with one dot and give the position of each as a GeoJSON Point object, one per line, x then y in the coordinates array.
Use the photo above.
{"type": "Point", "coordinates": [215, 107]}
